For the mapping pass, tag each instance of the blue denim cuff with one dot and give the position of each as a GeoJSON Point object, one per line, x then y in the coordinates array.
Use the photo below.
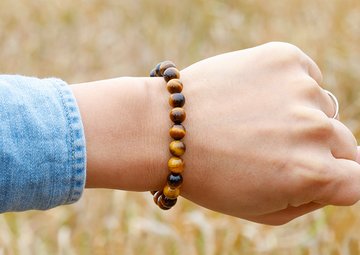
{"type": "Point", "coordinates": [42, 144]}
{"type": "Point", "coordinates": [76, 143]}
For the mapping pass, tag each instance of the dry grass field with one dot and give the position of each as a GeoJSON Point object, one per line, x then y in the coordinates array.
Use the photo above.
{"type": "Point", "coordinates": [85, 40]}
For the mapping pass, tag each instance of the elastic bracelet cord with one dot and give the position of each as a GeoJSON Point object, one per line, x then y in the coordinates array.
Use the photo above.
{"type": "Point", "coordinates": [167, 198]}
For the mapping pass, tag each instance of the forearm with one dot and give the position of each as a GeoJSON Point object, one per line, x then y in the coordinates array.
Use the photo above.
{"type": "Point", "coordinates": [125, 122]}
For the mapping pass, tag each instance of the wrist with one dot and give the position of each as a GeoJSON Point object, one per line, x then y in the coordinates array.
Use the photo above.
{"type": "Point", "coordinates": [125, 122]}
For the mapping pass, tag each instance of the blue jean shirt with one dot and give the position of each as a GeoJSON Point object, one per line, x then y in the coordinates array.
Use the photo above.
{"type": "Point", "coordinates": [42, 144]}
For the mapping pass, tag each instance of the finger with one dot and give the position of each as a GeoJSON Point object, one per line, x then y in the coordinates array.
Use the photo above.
{"type": "Point", "coordinates": [306, 62]}
{"type": "Point", "coordinates": [343, 185]}
{"type": "Point", "coordinates": [335, 104]}
{"type": "Point", "coordinates": [313, 96]}
{"type": "Point", "coordinates": [284, 216]}
{"type": "Point", "coordinates": [328, 103]}
{"type": "Point", "coordinates": [358, 155]}
{"type": "Point", "coordinates": [315, 126]}
{"type": "Point", "coordinates": [343, 144]}
{"type": "Point", "coordinates": [324, 132]}
{"type": "Point", "coordinates": [314, 71]}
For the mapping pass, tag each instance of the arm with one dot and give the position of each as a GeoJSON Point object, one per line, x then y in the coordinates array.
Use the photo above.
{"type": "Point", "coordinates": [261, 144]}
{"type": "Point", "coordinates": [126, 132]}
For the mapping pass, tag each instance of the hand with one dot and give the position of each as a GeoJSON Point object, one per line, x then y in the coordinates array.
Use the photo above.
{"type": "Point", "coordinates": [261, 141]}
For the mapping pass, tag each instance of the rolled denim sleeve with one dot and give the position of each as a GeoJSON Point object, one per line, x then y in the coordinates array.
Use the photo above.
{"type": "Point", "coordinates": [42, 144]}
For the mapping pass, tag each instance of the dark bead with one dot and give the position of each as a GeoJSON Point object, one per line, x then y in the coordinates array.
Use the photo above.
{"type": "Point", "coordinates": [166, 202]}
{"type": "Point", "coordinates": [174, 180]}
{"type": "Point", "coordinates": [165, 65]}
{"type": "Point", "coordinates": [174, 86]}
{"type": "Point", "coordinates": [153, 74]}
{"type": "Point", "coordinates": [153, 192]}
{"type": "Point", "coordinates": [177, 100]}
{"type": "Point", "coordinates": [177, 148]}
{"type": "Point", "coordinates": [176, 165]}
{"type": "Point", "coordinates": [157, 70]}
{"type": "Point", "coordinates": [171, 73]}
{"type": "Point", "coordinates": [177, 131]}
{"type": "Point", "coordinates": [161, 206]}
{"type": "Point", "coordinates": [177, 115]}
{"type": "Point", "coordinates": [156, 196]}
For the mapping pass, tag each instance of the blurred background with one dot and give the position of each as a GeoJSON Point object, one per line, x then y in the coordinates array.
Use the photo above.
{"type": "Point", "coordinates": [88, 40]}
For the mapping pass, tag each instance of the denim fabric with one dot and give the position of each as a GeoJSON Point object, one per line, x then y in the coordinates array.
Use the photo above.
{"type": "Point", "coordinates": [42, 144]}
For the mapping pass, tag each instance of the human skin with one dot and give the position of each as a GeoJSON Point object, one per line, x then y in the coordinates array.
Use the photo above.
{"type": "Point", "coordinates": [261, 142]}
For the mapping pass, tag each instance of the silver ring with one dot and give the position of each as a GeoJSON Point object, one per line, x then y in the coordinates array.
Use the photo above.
{"type": "Point", "coordinates": [336, 103]}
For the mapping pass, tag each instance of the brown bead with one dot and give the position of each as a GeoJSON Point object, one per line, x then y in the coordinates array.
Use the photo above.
{"type": "Point", "coordinates": [176, 165]}
{"type": "Point", "coordinates": [177, 148]}
{"type": "Point", "coordinates": [157, 70]}
{"type": "Point", "coordinates": [174, 86]}
{"type": "Point", "coordinates": [177, 115]}
{"type": "Point", "coordinates": [161, 206]}
{"type": "Point", "coordinates": [170, 192]}
{"type": "Point", "coordinates": [165, 65]}
{"type": "Point", "coordinates": [171, 73]}
{"type": "Point", "coordinates": [153, 192]}
{"type": "Point", "coordinates": [177, 100]}
{"type": "Point", "coordinates": [174, 180]}
{"type": "Point", "coordinates": [167, 202]}
{"type": "Point", "coordinates": [177, 131]}
{"type": "Point", "coordinates": [156, 196]}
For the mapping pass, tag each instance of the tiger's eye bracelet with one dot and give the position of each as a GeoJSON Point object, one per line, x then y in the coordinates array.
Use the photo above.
{"type": "Point", "coordinates": [167, 197]}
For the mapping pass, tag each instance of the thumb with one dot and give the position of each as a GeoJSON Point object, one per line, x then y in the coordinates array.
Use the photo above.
{"type": "Point", "coordinates": [344, 189]}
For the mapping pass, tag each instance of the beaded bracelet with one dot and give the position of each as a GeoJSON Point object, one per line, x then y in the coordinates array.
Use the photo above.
{"type": "Point", "coordinates": [167, 198]}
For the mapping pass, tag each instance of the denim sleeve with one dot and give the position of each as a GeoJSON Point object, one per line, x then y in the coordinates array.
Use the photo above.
{"type": "Point", "coordinates": [42, 144]}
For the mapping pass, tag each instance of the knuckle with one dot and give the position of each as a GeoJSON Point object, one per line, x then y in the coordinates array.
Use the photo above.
{"type": "Point", "coordinates": [308, 87]}
{"type": "Point", "coordinates": [322, 127]}
{"type": "Point", "coordinates": [281, 46]}
{"type": "Point", "coordinates": [287, 50]}
{"type": "Point", "coordinates": [288, 54]}
{"type": "Point", "coordinates": [311, 123]}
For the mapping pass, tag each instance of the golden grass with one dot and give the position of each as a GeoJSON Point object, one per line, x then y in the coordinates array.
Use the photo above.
{"type": "Point", "coordinates": [97, 39]}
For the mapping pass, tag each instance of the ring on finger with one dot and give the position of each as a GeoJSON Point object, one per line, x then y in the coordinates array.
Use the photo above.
{"type": "Point", "coordinates": [335, 102]}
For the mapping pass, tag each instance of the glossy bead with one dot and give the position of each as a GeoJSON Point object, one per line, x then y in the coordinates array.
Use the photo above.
{"type": "Point", "coordinates": [167, 202]}
{"type": "Point", "coordinates": [171, 73]}
{"type": "Point", "coordinates": [156, 196]}
{"type": "Point", "coordinates": [170, 192]}
{"type": "Point", "coordinates": [177, 131]}
{"type": "Point", "coordinates": [153, 192]}
{"type": "Point", "coordinates": [161, 206]}
{"type": "Point", "coordinates": [167, 198]}
{"type": "Point", "coordinates": [157, 70]}
{"type": "Point", "coordinates": [174, 180]}
{"type": "Point", "coordinates": [176, 165]}
{"type": "Point", "coordinates": [177, 115]}
{"type": "Point", "coordinates": [177, 100]}
{"type": "Point", "coordinates": [174, 86]}
{"type": "Point", "coordinates": [177, 148]}
{"type": "Point", "coordinates": [153, 74]}
{"type": "Point", "coordinates": [165, 65]}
